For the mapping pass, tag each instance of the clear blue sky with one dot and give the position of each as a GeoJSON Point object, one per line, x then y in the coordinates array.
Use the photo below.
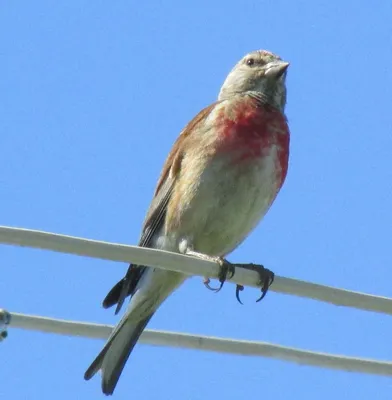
{"type": "Point", "coordinates": [92, 96]}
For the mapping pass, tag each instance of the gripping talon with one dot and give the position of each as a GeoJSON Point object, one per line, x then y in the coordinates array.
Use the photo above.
{"type": "Point", "coordinates": [238, 289]}
{"type": "Point", "coordinates": [220, 287]}
{"type": "Point", "coordinates": [206, 282]}
{"type": "Point", "coordinates": [263, 293]}
{"type": "Point", "coordinates": [266, 279]}
{"type": "Point", "coordinates": [226, 268]}
{"type": "Point", "coordinates": [266, 282]}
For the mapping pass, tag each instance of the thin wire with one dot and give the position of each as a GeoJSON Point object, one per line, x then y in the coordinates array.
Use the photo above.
{"type": "Point", "coordinates": [188, 265]}
{"type": "Point", "coordinates": [207, 343]}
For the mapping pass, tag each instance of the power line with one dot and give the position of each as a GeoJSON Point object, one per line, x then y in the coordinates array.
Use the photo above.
{"type": "Point", "coordinates": [189, 265]}
{"type": "Point", "coordinates": [206, 343]}
{"type": "Point", "coordinates": [192, 266]}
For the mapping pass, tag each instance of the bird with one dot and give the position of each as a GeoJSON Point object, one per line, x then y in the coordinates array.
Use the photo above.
{"type": "Point", "coordinates": [220, 178]}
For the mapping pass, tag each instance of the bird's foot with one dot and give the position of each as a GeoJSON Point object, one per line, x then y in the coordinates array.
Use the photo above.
{"type": "Point", "coordinates": [266, 279]}
{"type": "Point", "coordinates": [226, 269]}
{"type": "Point", "coordinates": [206, 282]}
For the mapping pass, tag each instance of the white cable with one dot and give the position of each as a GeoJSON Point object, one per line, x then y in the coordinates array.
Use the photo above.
{"type": "Point", "coordinates": [206, 343]}
{"type": "Point", "coordinates": [189, 265]}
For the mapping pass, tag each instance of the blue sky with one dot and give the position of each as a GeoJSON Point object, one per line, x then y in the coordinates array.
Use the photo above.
{"type": "Point", "coordinates": [93, 94]}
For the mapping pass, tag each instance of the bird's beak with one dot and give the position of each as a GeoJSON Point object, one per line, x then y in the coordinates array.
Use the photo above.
{"type": "Point", "coordinates": [276, 69]}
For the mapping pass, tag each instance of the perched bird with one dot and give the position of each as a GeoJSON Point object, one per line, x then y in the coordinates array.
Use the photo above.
{"type": "Point", "coordinates": [220, 178]}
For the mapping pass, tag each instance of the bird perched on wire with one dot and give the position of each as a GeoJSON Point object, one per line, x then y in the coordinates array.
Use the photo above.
{"type": "Point", "coordinates": [220, 178]}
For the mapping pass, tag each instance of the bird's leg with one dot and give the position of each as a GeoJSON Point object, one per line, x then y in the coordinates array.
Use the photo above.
{"type": "Point", "coordinates": [266, 279]}
{"type": "Point", "coordinates": [225, 268]}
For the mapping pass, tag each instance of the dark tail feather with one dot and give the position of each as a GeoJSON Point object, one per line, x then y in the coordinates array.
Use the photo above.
{"type": "Point", "coordinates": [123, 288]}
{"type": "Point", "coordinates": [113, 296]}
{"type": "Point", "coordinates": [111, 360]}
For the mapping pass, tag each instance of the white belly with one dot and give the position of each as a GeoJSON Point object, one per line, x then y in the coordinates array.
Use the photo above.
{"type": "Point", "coordinates": [228, 202]}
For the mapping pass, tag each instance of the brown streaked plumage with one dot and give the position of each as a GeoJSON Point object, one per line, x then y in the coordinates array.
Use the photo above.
{"type": "Point", "coordinates": [220, 178]}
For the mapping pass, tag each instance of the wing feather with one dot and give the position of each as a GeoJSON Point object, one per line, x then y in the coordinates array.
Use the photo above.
{"type": "Point", "coordinates": [156, 214]}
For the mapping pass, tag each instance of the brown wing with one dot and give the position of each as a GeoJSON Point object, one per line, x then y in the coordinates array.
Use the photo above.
{"type": "Point", "coordinates": [155, 217]}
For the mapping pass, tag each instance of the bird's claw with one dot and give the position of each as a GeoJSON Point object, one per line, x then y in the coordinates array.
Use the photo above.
{"type": "Point", "coordinates": [206, 282]}
{"type": "Point", "coordinates": [226, 270]}
{"type": "Point", "coordinates": [238, 289]}
{"type": "Point", "coordinates": [266, 279]}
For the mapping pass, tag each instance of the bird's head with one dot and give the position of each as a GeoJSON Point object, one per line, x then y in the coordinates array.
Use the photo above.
{"type": "Point", "coordinates": [261, 73]}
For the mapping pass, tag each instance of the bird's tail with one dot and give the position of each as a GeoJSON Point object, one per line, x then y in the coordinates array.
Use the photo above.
{"type": "Point", "coordinates": [111, 360]}
{"type": "Point", "coordinates": [155, 287]}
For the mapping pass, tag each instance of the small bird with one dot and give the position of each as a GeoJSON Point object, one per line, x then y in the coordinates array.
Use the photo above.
{"type": "Point", "coordinates": [219, 180]}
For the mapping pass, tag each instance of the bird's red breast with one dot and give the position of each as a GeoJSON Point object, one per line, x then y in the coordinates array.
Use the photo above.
{"type": "Point", "coordinates": [252, 130]}
{"type": "Point", "coordinates": [232, 156]}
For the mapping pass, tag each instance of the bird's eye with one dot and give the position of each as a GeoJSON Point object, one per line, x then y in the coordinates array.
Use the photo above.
{"type": "Point", "coordinates": [250, 61]}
